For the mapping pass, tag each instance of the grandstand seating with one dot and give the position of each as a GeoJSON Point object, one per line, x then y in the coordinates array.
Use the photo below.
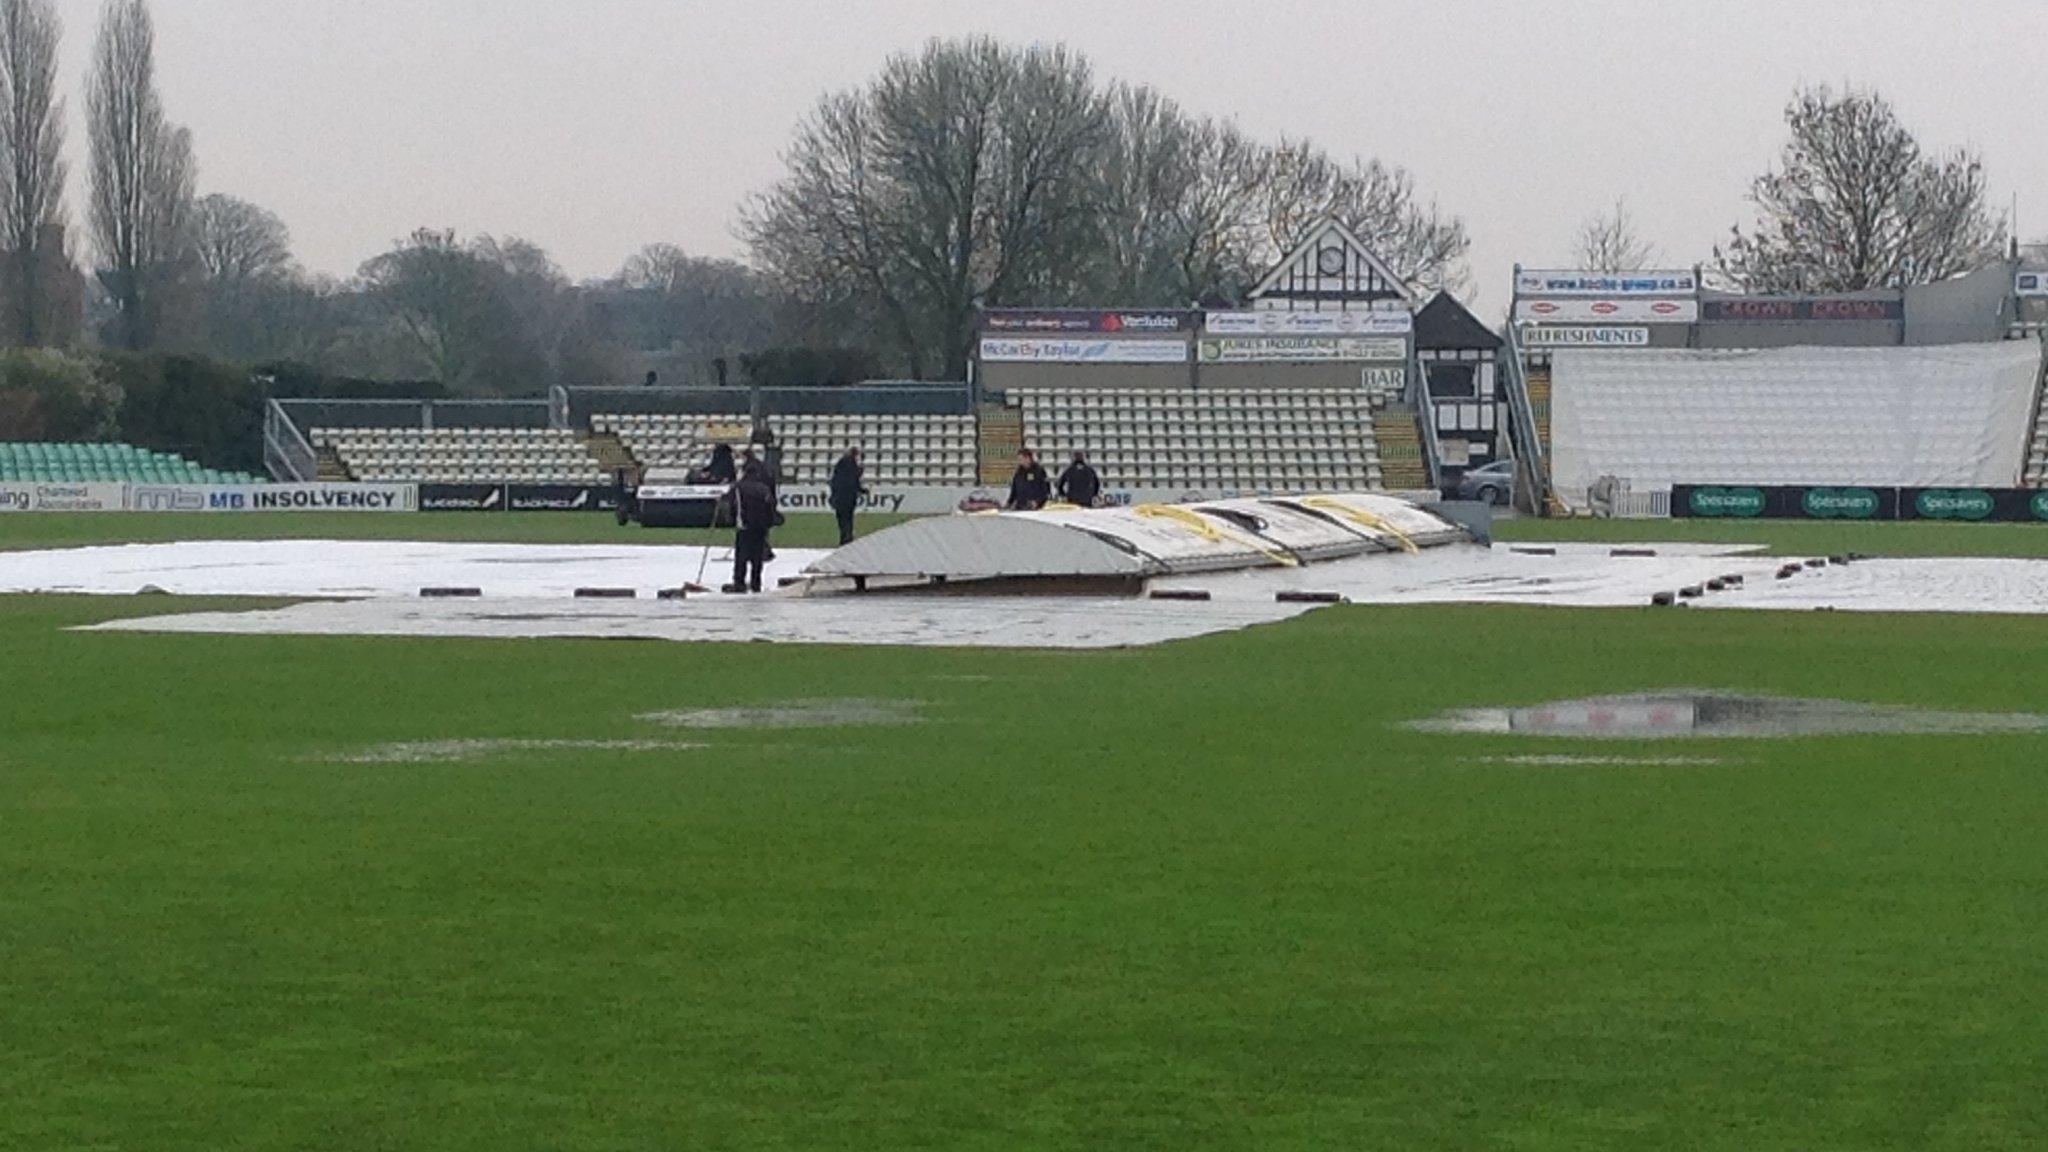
{"type": "Point", "coordinates": [1906, 417]}
{"type": "Point", "coordinates": [916, 450]}
{"type": "Point", "coordinates": [1269, 438]}
{"type": "Point", "coordinates": [105, 463]}
{"type": "Point", "coordinates": [463, 455]}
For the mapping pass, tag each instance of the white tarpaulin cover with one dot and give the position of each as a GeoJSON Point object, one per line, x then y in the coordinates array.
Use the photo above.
{"type": "Point", "coordinates": [1955, 415]}
{"type": "Point", "coordinates": [914, 621]}
{"type": "Point", "coordinates": [1298, 531]}
{"type": "Point", "coordinates": [1145, 540]}
{"type": "Point", "coordinates": [363, 568]}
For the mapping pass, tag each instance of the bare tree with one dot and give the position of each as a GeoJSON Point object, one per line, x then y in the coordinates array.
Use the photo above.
{"type": "Point", "coordinates": [957, 177]}
{"type": "Point", "coordinates": [141, 174]}
{"type": "Point", "coordinates": [973, 174]}
{"type": "Point", "coordinates": [237, 242]}
{"type": "Point", "coordinates": [1378, 202]}
{"type": "Point", "coordinates": [686, 311]}
{"type": "Point", "coordinates": [31, 165]}
{"type": "Point", "coordinates": [1608, 242]}
{"type": "Point", "coordinates": [486, 315]}
{"type": "Point", "coordinates": [1143, 173]}
{"type": "Point", "coordinates": [1855, 203]}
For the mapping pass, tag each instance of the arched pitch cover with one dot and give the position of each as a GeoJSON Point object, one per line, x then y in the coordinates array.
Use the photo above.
{"type": "Point", "coordinates": [1141, 541]}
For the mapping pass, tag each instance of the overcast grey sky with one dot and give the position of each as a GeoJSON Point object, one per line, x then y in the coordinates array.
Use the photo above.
{"type": "Point", "coordinates": [595, 126]}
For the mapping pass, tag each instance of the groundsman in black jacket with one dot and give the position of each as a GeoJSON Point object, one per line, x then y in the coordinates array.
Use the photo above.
{"type": "Point", "coordinates": [847, 489]}
{"type": "Point", "coordinates": [1079, 484]}
{"type": "Point", "coordinates": [1029, 486]}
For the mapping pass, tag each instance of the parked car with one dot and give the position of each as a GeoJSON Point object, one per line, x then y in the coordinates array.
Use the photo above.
{"type": "Point", "coordinates": [1493, 483]}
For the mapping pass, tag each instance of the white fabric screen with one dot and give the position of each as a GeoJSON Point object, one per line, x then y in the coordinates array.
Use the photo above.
{"type": "Point", "coordinates": [1907, 417]}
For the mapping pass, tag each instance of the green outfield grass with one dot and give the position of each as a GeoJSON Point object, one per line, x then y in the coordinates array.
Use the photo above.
{"type": "Point", "coordinates": [1799, 537]}
{"type": "Point", "coordinates": [1205, 896]}
{"type": "Point", "coordinates": [804, 530]}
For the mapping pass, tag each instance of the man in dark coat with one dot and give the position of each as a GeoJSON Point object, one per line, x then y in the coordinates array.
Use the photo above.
{"type": "Point", "coordinates": [847, 489]}
{"type": "Point", "coordinates": [721, 469]}
{"type": "Point", "coordinates": [768, 447]}
{"type": "Point", "coordinates": [1029, 486]}
{"type": "Point", "coordinates": [1079, 484]}
{"type": "Point", "coordinates": [754, 502]}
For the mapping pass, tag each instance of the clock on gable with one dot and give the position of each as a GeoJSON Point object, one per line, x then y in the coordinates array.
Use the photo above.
{"type": "Point", "coordinates": [1330, 261]}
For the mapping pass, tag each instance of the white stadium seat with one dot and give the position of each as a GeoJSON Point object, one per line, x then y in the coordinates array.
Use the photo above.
{"type": "Point", "coordinates": [1266, 439]}
{"type": "Point", "coordinates": [463, 455]}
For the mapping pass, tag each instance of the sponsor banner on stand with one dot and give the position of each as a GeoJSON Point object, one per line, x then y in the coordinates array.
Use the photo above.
{"type": "Point", "coordinates": [1755, 311]}
{"type": "Point", "coordinates": [937, 501]}
{"type": "Point", "coordinates": [1054, 351]}
{"type": "Point", "coordinates": [1135, 322]}
{"type": "Point", "coordinates": [1608, 311]}
{"type": "Point", "coordinates": [1854, 502]}
{"type": "Point", "coordinates": [904, 501]}
{"type": "Point", "coordinates": [2030, 284]}
{"type": "Point", "coordinates": [1565, 282]}
{"type": "Point", "coordinates": [1257, 349]}
{"type": "Point", "coordinates": [2025, 505]}
{"type": "Point", "coordinates": [1383, 377]}
{"type": "Point", "coordinates": [462, 497]}
{"type": "Point", "coordinates": [1540, 336]}
{"type": "Point", "coordinates": [561, 498]}
{"type": "Point", "coordinates": [273, 497]}
{"type": "Point", "coordinates": [1276, 323]}
{"type": "Point", "coordinates": [36, 496]}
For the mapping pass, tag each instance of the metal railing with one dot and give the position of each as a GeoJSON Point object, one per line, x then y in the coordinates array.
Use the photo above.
{"type": "Point", "coordinates": [1523, 433]}
{"type": "Point", "coordinates": [286, 454]}
{"type": "Point", "coordinates": [310, 414]}
{"type": "Point", "coordinates": [2039, 413]}
{"type": "Point", "coordinates": [1425, 419]}
{"type": "Point", "coordinates": [876, 397]}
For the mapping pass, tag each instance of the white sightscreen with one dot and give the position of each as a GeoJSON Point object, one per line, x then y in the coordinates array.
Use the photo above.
{"type": "Point", "coordinates": [1906, 417]}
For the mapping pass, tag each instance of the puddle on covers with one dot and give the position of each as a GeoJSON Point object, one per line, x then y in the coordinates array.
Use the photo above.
{"type": "Point", "coordinates": [1683, 714]}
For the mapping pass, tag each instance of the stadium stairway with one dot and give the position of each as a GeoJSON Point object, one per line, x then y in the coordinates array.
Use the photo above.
{"type": "Point", "coordinates": [999, 437]}
{"type": "Point", "coordinates": [1402, 468]}
{"type": "Point", "coordinates": [329, 467]}
{"type": "Point", "coordinates": [612, 454]}
{"type": "Point", "coordinates": [1539, 401]}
